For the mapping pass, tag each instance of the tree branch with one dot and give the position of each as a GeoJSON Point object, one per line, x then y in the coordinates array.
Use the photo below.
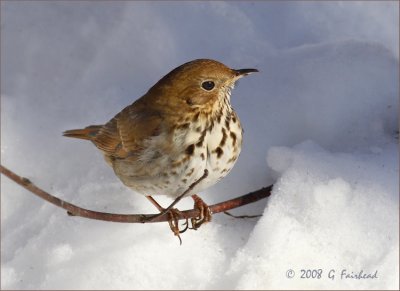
{"type": "Point", "coordinates": [132, 218]}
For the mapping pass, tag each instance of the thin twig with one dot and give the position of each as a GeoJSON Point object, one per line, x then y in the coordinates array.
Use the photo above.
{"type": "Point", "coordinates": [132, 218]}
{"type": "Point", "coordinates": [242, 216]}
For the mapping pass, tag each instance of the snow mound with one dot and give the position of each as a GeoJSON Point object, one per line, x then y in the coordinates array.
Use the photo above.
{"type": "Point", "coordinates": [326, 213]}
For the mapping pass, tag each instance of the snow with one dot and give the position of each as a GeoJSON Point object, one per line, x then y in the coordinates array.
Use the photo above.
{"type": "Point", "coordinates": [327, 214]}
{"type": "Point", "coordinates": [320, 119]}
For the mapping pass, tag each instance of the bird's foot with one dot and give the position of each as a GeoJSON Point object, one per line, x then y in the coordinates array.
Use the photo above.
{"type": "Point", "coordinates": [173, 222]}
{"type": "Point", "coordinates": [205, 212]}
{"type": "Point", "coordinates": [173, 217]}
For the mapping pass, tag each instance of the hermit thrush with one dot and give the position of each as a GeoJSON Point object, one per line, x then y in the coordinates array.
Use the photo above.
{"type": "Point", "coordinates": [182, 126]}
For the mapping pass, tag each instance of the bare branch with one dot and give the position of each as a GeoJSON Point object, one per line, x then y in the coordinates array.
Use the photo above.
{"type": "Point", "coordinates": [133, 218]}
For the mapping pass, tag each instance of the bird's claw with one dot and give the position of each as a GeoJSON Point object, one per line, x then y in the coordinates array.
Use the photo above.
{"type": "Point", "coordinates": [174, 215]}
{"type": "Point", "coordinates": [205, 213]}
{"type": "Point", "coordinates": [173, 222]}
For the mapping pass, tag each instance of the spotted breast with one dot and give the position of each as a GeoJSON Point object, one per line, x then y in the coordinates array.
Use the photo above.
{"type": "Point", "coordinates": [203, 141]}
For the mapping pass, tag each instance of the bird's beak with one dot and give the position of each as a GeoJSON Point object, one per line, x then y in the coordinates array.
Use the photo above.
{"type": "Point", "coordinates": [244, 72]}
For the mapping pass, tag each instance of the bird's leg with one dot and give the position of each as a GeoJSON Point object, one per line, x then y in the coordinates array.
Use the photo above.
{"type": "Point", "coordinates": [155, 203]}
{"type": "Point", "coordinates": [205, 212]}
{"type": "Point", "coordinates": [173, 220]}
{"type": "Point", "coordinates": [205, 174]}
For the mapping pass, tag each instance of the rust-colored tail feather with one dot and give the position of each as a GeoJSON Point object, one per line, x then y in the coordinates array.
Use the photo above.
{"type": "Point", "coordinates": [88, 133]}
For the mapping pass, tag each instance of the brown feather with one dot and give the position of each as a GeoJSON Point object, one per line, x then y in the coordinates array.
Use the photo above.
{"type": "Point", "coordinates": [124, 134]}
{"type": "Point", "coordinates": [136, 125]}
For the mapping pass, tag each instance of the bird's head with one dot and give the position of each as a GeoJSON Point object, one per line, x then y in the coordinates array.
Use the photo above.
{"type": "Point", "coordinates": [197, 84]}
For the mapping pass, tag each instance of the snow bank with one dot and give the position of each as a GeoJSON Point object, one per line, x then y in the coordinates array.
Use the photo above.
{"type": "Point", "coordinates": [336, 213]}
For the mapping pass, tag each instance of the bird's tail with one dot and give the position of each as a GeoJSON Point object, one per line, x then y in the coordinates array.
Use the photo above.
{"type": "Point", "coordinates": [88, 133]}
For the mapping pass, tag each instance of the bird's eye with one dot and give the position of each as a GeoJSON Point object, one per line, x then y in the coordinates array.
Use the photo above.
{"type": "Point", "coordinates": [208, 85]}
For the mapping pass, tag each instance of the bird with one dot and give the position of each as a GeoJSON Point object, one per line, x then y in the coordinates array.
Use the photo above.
{"type": "Point", "coordinates": [167, 139]}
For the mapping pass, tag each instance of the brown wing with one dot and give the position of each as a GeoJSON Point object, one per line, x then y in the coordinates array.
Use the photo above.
{"type": "Point", "coordinates": [125, 133]}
